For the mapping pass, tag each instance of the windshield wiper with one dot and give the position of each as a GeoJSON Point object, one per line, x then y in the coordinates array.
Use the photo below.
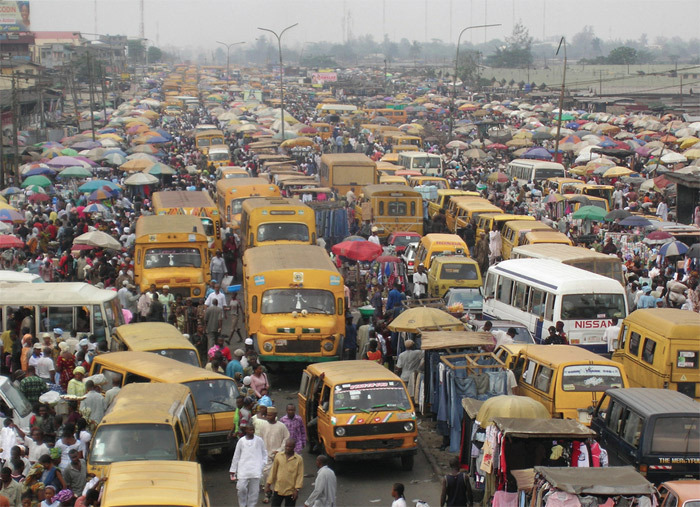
{"type": "Point", "coordinates": [322, 310]}
{"type": "Point", "coordinates": [389, 405]}
{"type": "Point", "coordinates": [353, 408]}
{"type": "Point", "coordinates": [222, 403]}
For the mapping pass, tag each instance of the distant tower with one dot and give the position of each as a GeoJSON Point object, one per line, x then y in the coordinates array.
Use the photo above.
{"type": "Point", "coordinates": [142, 31]}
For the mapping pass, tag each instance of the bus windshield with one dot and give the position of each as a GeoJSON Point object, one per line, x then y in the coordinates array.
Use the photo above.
{"type": "Point", "coordinates": [544, 174]}
{"type": "Point", "coordinates": [218, 156]}
{"type": "Point", "coordinates": [368, 396]}
{"type": "Point", "coordinates": [203, 141]}
{"type": "Point", "coordinates": [132, 442]}
{"type": "Point", "coordinates": [459, 272]}
{"type": "Point", "coordinates": [212, 396]}
{"type": "Point", "coordinates": [208, 225]}
{"type": "Point", "coordinates": [17, 399]}
{"type": "Point", "coordinates": [186, 356]}
{"type": "Point", "coordinates": [426, 162]}
{"type": "Point", "coordinates": [237, 205]}
{"type": "Point", "coordinates": [592, 306]}
{"type": "Point", "coordinates": [283, 231]}
{"type": "Point", "coordinates": [172, 258]}
{"type": "Point", "coordinates": [590, 378]}
{"type": "Point", "coordinates": [296, 300]}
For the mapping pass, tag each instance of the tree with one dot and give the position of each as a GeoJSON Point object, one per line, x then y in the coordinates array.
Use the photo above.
{"type": "Point", "coordinates": [517, 53]}
{"type": "Point", "coordinates": [154, 54]}
{"type": "Point", "coordinates": [414, 51]}
{"type": "Point", "coordinates": [467, 68]}
{"type": "Point", "coordinates": [135, 50]}
{"type": "Point", "coordinates": [623, 55]}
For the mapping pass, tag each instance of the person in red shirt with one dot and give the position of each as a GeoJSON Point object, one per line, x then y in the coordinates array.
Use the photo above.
{"type": "Point", "coordinates": [52, 230]}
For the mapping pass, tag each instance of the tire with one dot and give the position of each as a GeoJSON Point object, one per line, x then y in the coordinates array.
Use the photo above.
{"type": "Point", "coordinates": [407, 463]}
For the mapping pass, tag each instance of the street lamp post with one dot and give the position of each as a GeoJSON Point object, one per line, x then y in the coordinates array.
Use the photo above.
{"type": "Point", "coordinates": [562, 41]}
{"type": "Point", "coordinates": [228, 54]}
{"type": "Point", "coordinates": [279, 46]}
{"type": "Point", "coordinates": [454, 79]}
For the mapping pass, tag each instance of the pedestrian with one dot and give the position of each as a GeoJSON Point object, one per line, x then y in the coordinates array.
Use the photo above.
{"type": "Point", "coordinates": [75, 474]}
{"type": "Point", "coordinates": [350, 342]}
{"type": "Point", "coordinates": [213, 321]}
{"type": "Point", "coordinates": [325, 485]}
{"type": "Point", "coordinates": [409, 362]}
{"type": "Point", "coordinates": [610, 336]}
{"type": "Point", "coordinates": [94, 402]}
{"type": "Point", "coordinates": [274, 434]}
{"type": "Point", "coordinates": [373, 238]}
{"type": "Point", "coordinates": [218, 267]}
{"type": "Point", "coordinates": [397, 495]}
{"type": "Point", "coordinates": [553, 338]}
{"type": "Point", "coordinates": [286, 476]}
{"type": "Point", "coordinates": [247, 464]}
{"type": "Point", "coordinates": [456, 490]}
{"type": "Point", "coordinates": [420, 282]}
{"type": "Point", "coordinates": [295, 426]}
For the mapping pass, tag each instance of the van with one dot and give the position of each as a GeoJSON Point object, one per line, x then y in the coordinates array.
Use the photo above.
{"type": "Point", "coordinates": [513, 234]}
{"type": "Point", "coordinates": [543, 236]}
{"type": "Point", "coordinates": [429, 181]}
{"type": "Point", "coordinates": [453, 210]}
{"type": "Point", "coordinates": [157, 337]}
{"type": "Point", "coordinates": [495, 221]}
{"type": "Point", "coordinates": [568, 380]}
{"type": "Point", "coordinates": [468, 211]}
{"type": "Point", "coordinates": [432, 245]}
{"type": "Point", "coordinates": [679, 494]}
{"type": "Point", "coordinates": [660, 347]}
{"type": "Point", "coordinates": [444, 196]}
{"type": "Point", "coordinates": [390, 208]}
{"type": "Point", "coordinates": [14, 405]}
{"type": "Point", "coordinates": [146, 422]}
{"type": "Point", "coordinates": [154, 483]}
{"type": "Point", "coordinates": [655, 430]}
{"type": "Point", "coordinates": [451, 271]}
{"type": "Point", "coordinates": [214, 394]}
{"type": "Point", "coordinates": [358, 410]}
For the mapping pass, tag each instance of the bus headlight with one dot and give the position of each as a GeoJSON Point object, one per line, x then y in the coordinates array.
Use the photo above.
{"type": "Point", "coordinates": [267, 347]}
{"type": "Point", "coordinates": [340, 432]}
{"type": "Point", "coordinates": [196, 291]}
{"type": "Point", "coordinates": [408, 426]}
{"type": "Point", "coordinates": [328, 346]}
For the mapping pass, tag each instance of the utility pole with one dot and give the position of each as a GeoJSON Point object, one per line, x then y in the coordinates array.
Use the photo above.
{"type": "Point", "coordinates": [42, 120]}
{"type": "Point", "coordinates": [75, 98]}
{"type": "Point", "coordinates": [557, 156]}
{"type": "Point", "coordinates": [91, 92]}
{"type": "Point", "coordinates": [104, 100]}
{"type": "Point", "coordinates": [15, 122]}
{"type": "Point", "coordinates": [681, 76]}
{"type": "Point", "coordinates": [600, 85]}
{"type": "Point", "coordinates": [2, 149]}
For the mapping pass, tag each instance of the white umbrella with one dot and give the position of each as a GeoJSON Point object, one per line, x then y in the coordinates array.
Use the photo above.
{"type": "Point", "coordinates": [138, 179]}
{"type": "Point", "coordinates": [673, 158]}
{"type": "Point", "coordinates": [98, 239]}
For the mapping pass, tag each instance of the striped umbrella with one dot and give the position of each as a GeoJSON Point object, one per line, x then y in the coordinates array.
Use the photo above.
{"type": "Point", "coordinates": [100, 195]}
{"type": "Point", "coordinates": [673, 249]}
{"type": "Point", "coordinates": [96, 208]}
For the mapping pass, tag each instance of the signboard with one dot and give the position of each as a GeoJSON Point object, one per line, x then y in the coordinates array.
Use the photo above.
{"type": "Point", "coordinates": [324, 77]}
{"type": "Point", "coordinates": [252, 95]}
{"type": "Point", "coordinates": [14, 17]}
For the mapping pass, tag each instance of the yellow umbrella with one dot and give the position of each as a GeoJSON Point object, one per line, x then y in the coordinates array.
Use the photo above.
{"type": "Point", "coordinates": [137, 164]}
{"type": "Point", "coordinates": [692, 154]}
{"type": "Point", "coordinates": [519, 142]}
{"type": "Point", "coordinates": [3, 200]}
{"type": "Point", "coordinates": [297, 142]}
{"type": "Point", "coordinates": [617, 172]}
{"type": "Point", "coordinates": [687, 142]}
{"type": "Point", "coordinates": [468, 107]}
{"type": "Point", "coordinates": [151, 115]}
{"type": "Point", "coordinates": [521, 407]}
{"type": "Point", "coordinates": [415, 319]}
{"type": "Point", "coordinates": [4, 205]}
{"type": "Point", "coordinates": [580, 170]}
{"type": "Point", "coordinates": [523, 134]}
{"type": "Point", "coordinates": [115, 137]}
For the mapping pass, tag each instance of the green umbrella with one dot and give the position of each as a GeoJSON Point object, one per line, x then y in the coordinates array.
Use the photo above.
{"type": "Point", "coordinates": [159, 169]}
{"type": "Point", "coordinates": [593, 213]}
{"type": "Point", "coordinates": [40, 181]}
{"type": "Point", "coordinates": [69, 152]}
{"type": "Point", "coordinates": [75, 172]}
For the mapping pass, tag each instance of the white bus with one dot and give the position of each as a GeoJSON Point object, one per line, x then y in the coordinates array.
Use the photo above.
{"type": "Point", "coordinates": [428, 164]}
{"type": "Point", "coordinates": [540, 292]}
{"type": "Point", "coordinates": [529, 171]}
{"type": "Point", "coordinates": [69, 306]}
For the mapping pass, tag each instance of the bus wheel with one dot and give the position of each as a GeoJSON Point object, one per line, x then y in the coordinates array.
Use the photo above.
{"type": "Point", "coordinates": [407, 463]}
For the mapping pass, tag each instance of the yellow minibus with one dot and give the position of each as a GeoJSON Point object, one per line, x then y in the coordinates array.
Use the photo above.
{"type": "Point", "coordinates": [277, 220]}
{"type": "Point", "coordinates": [196, 203]}
{"type": "Point", "coordinates": [391, 208]}
{"type": "Point", "coordinates": [432, 245]}
{"type": "Point", "coordinates": [230, 194]}
{"type": "Point", "coordinates": [157, 337]}
{"type": "Point", "coordinates": [347, 171]}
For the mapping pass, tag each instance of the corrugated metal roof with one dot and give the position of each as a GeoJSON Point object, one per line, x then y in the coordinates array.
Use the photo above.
{"type": "Point", "coordinates": [649, 401]}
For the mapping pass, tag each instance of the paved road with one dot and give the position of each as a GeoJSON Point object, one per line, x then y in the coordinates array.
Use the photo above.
{"type": "Point", "coordinates": [365, 483]}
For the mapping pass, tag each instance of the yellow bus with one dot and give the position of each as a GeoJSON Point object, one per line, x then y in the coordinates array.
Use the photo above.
{"type": "Point", "coordinates": [468, 211]}
{"type": "Point", "coordinates": [156, 337]}
{"type": "Point", "coordinates": [513, 234]}
{"type": "Point", "coordinates": [429, 181]}
{"type": "Point", "coordinates": [277, 220]}
{"type": "Point", "coordinates": [432, 245]}
{"type": "Point", "coordinates": [214, 394]}
{"type": "Point", "coordinates": [392, 208]}
{"type": "Point", "coordinates": [146, 422]}
{"type": "Point", "coordinates": [230, 194]}
{"type": "Point", "coordinates": [347, 171]}
{"type": "Point", "coordinates": [392, 180]}
{"type": "Point", "coordinates": [660, 347]}
{"type": "Point", "coordinates": [172, 250]}
{"type": "Point", "coordinates": [196, 203]}
{"type": "Point", "coordinates": [495, 221]}
{"type": "Point", "coordinates": [393, 115]}
{"type": "Point", "coordinates": [568, 380]}
{"type": "Point", "coordinates": [219, 155]}
{"type": "Point", "coordinates": [205, 139]}
{"type": "Point", "coordinates": [444, 196]}
{"type": "Point", "coordinates": [600, 191]}
{"type": "Point", "coordinates": [294, 303]}
{"type": "Point", "coordinates": [579, 257]}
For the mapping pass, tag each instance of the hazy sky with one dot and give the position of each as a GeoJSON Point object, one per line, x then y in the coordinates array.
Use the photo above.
{"type": "Point", "coordinates": [200, 23]}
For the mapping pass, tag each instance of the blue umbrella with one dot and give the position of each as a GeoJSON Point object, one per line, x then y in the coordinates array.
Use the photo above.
{"type": "Point", "coordinates": [673, 249]}
{"type": "Point", "coordinates": [635, 221]}
{"type": "Point", "coordinates": [164, 134]}
{"type": "Point", "coordinates": [93, 185]}
{"type": "Point", "coordinates": [11, 191]}
{"type": "Point", "coordinates": [118, 151]}
{"type": "Point", "coordinates": [572, 125]}
{"type": "Point", "coordinates": [540, 153]}
{"type": "Point", "coordinates": [156, 140]}
{"type": "Point", "coordinates": [39, 171]}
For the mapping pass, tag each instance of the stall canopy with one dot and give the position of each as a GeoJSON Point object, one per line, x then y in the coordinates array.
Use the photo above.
{"type": "Point", "coordinates": [597, 481]}
{"type": "Point", "coordinates": [539, 428]}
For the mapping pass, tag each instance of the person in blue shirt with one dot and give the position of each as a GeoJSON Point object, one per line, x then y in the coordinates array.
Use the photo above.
{"type": "Point", "coordinates": [350, 343]}
{"type": "Point", "coordinates": [234, 365]}
{"type": "Point", "coordinates": [393, 301]}
{"type": "Point", "coordinates": [647, 300]}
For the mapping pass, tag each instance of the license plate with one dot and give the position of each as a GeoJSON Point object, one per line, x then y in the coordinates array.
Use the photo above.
{"type": "Point", "coordinates": [215, 451]}
{"type": "Point", "coordinates": [281, 343]}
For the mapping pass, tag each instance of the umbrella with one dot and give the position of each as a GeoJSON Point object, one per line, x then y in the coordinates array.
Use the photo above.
{"type": "Point", "coordinates": [159, 169]}
{"type": "Point", "coordinates": [98, 239]}
{"type": "Point", "coordinates": [9, 241]}
{"type": "Point", "coordinates": [423, 317]}
{"type": "Point", "coordinates": [75, 172]}
{"type": "Point", "coordinates": [40, 181]}
{"type": "Point", "coordinates": [475, 154]}
{"type": "Point", "coordinates": [39, 171]}
{"type": "Point", "coordinates": [673, 249]}
{"type": "Point", "coordinates": [618, 214]}
{"type": "Point", "coordinates": [694, 251]}
{"type": "Point", "coordinates": [11, 215]}
{"type": "Point", "coordinates": [11, 191]}
{"type": "Point", "coordinates": [298, 141]}
{"type": "Point", "coordinates": [539, 153]}
{"type": "Point", "coordinates": [635, 221]}
{"type": "Point", "coordinates": [522, 407]}
{"type": "Point", "coordinates": [100, 195]}
{"type": "Point", "coordinates": [137, 164]}
{"type": "Point", "coordinates": [37, 197]}
{"type": "Point", "coordinates": [357, 250]}
{"type": "Point", "coordinates": [115, 159]}
{"type": "Point", "coordinates": [387, 258]}
{"type": "Point", "coordinates": [139, 179]}
{"type": "Point", "coordinates": [657, 237]}
{"type": "Point", "coordinates": [456, 144]}
{"type": "Point", "coordinates": [617, 172]}
{"type": "Point", "coordinates": [95, 184]}
{"type": "Point", "coordinates": [60, 162]}
{"type": "Point", "coordinates": [498, 177]}
{"type": "Point", "coordinates": [590, 213]}
{"type": "Point", "coordinates": [96, 208]}
{"type": "Point", "coordinates": [354, 238]}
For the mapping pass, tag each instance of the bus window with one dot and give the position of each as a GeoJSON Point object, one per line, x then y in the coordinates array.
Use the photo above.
{"type": "Point", "coordinates": [544, 379]}
{"type": "Point", "coordinates": [537, 298]}
{"type": "Point", "coordinates": [648, 351]}
{"type": "Point", "coordinates": [635, 339]}
{"type": "Point", "coordinates": [98, 322]}
{"type": "Point", "coordinates": [397, 209]}
{"type": "Point", "coordinates": [490, 289]}
{"type": "Point", "coordinates": [520, 296]}
{"type": "Point", "coordinates": [504, 288]}
{"type": "Point", "coordinates": [57, 317]}
{"type": "Point", "coordinates": [549, 309]}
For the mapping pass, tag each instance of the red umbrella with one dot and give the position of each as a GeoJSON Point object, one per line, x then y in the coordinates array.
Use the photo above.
{"type": "Point", "coordinates": [39, 197]}
{"type": "Point", "coordinates": [357, 250]}
{"type": "Point", "coordinates": [661, 182]}
{"type": "Point", "coordinates": [387, 258]}
{"type": "Point", "coordinates": [81, 247]}
{"type": "Point", "coordinates": [9, 241]}
{"type": "Point", "coordinates": [658, 235]}
{"type": "Point", "coordinates": [497, 146]}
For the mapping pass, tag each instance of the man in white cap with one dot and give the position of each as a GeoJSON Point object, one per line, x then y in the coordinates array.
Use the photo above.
{"type": "Point", "coordinates": [249, 458]}
{"type": "Point", "coordinates": [409, 362]}
{"type": "Point", "coordinates": [166, 298]}
{"type": "Point", "coordinates": [373, 238]}
{"type": "Point", "coordinates": [127, 239]}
